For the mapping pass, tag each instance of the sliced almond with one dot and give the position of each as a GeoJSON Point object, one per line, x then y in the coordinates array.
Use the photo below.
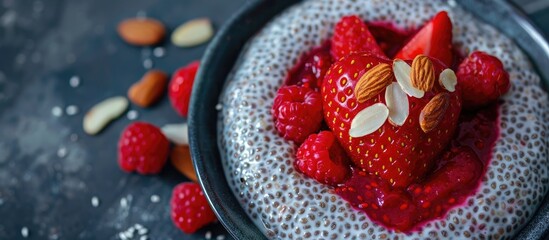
{"type": "Point", "coordinates": [397, 103]}
{"type": "Point", "coordinates": [182, 161]}
{"type": "Point", "coordinates": [100, 115]}
{"type": "Point", "coordinates": [373, 82]}
{"type": "Point", "coordinates": [141, 31]}
{"type": "Point", "coordinates": [193, 33]}
{"type": "Point", "coordinates": [422, 74]}
{"type": "Point", "coordinates": [433, 112]}
{"type": "Point", "coordinates": [369, 120]}
{"type": "Point", "coordinates": [448, 80]}
{"type": "Point", "coordinates": [402, 71]}
{"type": "Point", "coordinates": [176, 133]}
{"type": "Point", "coordinates": [149, 89]}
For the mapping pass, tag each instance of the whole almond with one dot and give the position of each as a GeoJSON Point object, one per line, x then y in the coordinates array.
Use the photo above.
{"type": "Point", "coordinates": [142, 31]}
{"type": "Point", "coordinates": [149, 89]}
{"type": "Point", "coordinates": [182, 161]}
{"type": "Point", "coordinates": [423, 73]}
{"type": "Point", "coordinates": [433, 112]}
{"type": "Point", "coordinates": [373, 82]}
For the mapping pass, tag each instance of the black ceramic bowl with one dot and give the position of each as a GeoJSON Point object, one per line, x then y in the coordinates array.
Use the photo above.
{"type": "Point", "coordinates": [223, 53]}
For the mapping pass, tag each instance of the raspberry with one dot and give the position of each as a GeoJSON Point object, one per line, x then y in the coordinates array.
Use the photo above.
{"type": "Point", "coordinates": [483, 80]}
{"type": "Point", "coordinates": [351, 35]}
{"type": "Point", "coordinates": [297, 112]}
{"type": "Point", "coordinates": [311, 68]}
{"type": "Point", "coordinates": [189, 208]}
{"type": "Point", "coordinates": [143, 148]}
{"type": "Point", "coordinates": [181, 87]}
{"type": "Point", "coordinates": [322, 158]}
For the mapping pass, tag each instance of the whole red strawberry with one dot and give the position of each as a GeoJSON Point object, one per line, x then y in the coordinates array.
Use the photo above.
{"type": "Point", "coordinates": [483, 80]}
{"type": "Point", "coordinates": [181, 87]}
{"type": "Point", "coordinates": [434, 39]}
{"type": "Point", "coordinates": [351, 35]}
{"type": "Point", "coordinates": [399, 154]}
{"type": "Point", "coordinates": [297, 111]}
{"type": "Point", "coordinates": [189, 208]}
{"type": "Point", "coordinates": [322, 158]}
{"type": "Point", "coordinates": [142, 148]}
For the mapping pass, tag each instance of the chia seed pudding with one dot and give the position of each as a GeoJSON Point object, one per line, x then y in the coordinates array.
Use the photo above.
{"type": "Point", "coordinates": [283, 203]}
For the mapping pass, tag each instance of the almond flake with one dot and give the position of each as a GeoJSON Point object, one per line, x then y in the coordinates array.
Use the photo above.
{"type": "Point", "coordinates": [422, 74]}
{"type": "Point", "coordinates": [369, 120]}
{"type": "Point", "coordinates": [193, 33]}
{"type": "Point", "coordinates": [397, 103]}
{"type": "Point", "coordinates": [433, 113]}
{"type": "Point", "coordinates": [448, 80]}
{"type": "Point", "coordinates": [373, 82]}
{"type": "Point", "coordinates": [176, 133]}
{"type": "Point", "coordinates": [100, 115]}
{"type": "Point", "coordinates": [402, 74]}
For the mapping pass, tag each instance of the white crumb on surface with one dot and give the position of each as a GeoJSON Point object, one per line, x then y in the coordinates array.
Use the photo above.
{"type": "Point", "coordinates": [62, 152]}
{"type": "Point", "coordinates": [148, 63]}
{"type": "Point", "coordinates": [155, 198]}
{"type": "Point", "coordinates": [132, 115]}
{"type": "Point", "coordinates": [136, 231]}
{"type": "Point", "coordinates": [218, 107]}
{"type": "Point", "coordinates": [95, 201]}
{"type": "Point", "coordinates": [57, 111]}
{"type": "Point", "coordinates": [25, 232]}
{"type": "Point", "coordinates": [123, 202]}
{"type": "Point", "coordinates": [159, 52]}
{"type": "Point", "coordinates": [74, 81]}
{"type": "Point", "coordinates": [220, 237]}
{"type": "Point", "coordinates": [208, 235]}
{"type": "Point", "coordinates": [142, 231]}
{"type": "Point", "coordinates": [71, 110]}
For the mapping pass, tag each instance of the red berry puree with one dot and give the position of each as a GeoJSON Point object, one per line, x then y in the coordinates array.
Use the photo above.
{"type": "Point", "coordinates": [457, 171]}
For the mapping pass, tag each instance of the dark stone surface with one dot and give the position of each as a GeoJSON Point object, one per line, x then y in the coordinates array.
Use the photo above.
{"type": "Point", "coordinates": [44, 43]}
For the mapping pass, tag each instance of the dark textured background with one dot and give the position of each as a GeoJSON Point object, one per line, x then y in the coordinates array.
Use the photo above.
{"type": "Point", "coordinates": [42, 44]}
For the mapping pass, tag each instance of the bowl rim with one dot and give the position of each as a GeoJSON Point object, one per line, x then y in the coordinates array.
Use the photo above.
{"type": "Point", "coordinates": [203, 136]}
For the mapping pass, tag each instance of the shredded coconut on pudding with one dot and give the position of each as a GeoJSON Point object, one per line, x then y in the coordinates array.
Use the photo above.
{"type": "Point", "coordinates": [284, 203]}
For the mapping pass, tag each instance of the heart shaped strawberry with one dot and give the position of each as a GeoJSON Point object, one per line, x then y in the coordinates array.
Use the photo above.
{"type": "Point", "coordinates": [391, 118]}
